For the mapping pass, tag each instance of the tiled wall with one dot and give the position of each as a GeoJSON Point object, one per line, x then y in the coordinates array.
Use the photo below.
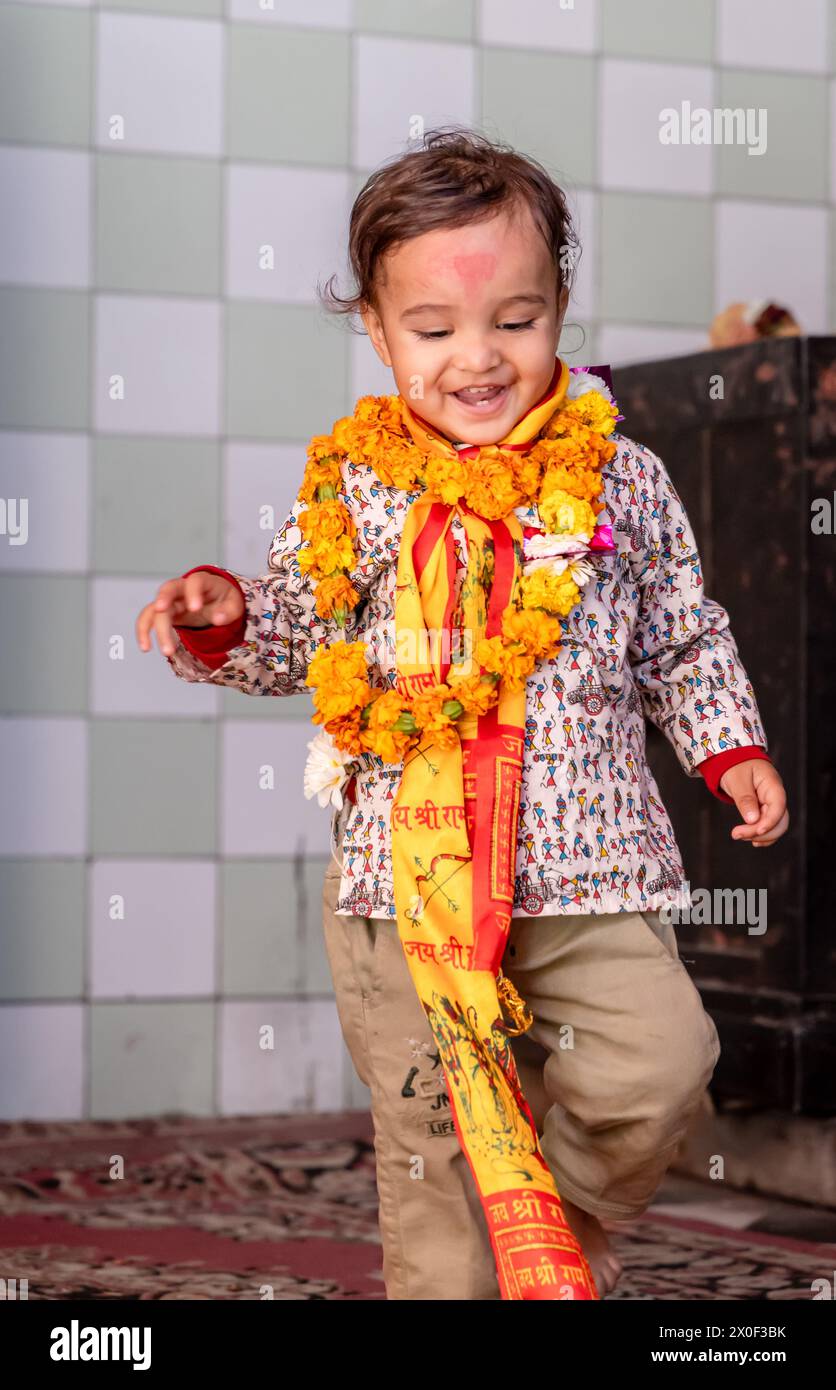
{"type": "Point", "coordinates": [146, 153]}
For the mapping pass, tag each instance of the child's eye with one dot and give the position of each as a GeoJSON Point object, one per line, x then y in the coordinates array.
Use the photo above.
{"type": "Point", "coordinates": [443, 332]}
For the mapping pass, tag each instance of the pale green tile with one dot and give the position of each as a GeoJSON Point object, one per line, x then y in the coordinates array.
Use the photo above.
{"type": "Point", "coordinates": [156, 505]}
{"type": "Point", "coordinates": [271, 927]}
{"type": "Point", "coordinates": [44, 358]}
{"type": "Point", "coordinates": [557, 120]}
{"type": "Point", "coordinates": [260, 943]}
{"type": "Point", "coordinates": [288, 94]}
{"type": "Point", "coordinates": [317, 978]}
{"type": "Point", "coordinates": [158, 224]}
{"type": "Point", "coordinates": [431, 19]}
{"type": "Point", "coordinates": [43, 620]}
{"type": "Point", "coordinates": [795, 163]}
{"type": "Point", "coordinates": [656, 258]}
{"type": "Point", "coordinates": [42, 916]}
{"type": "Point", "coordinates": [46, 80]}
{"type": "Point", "coordinates": [287, 370]}
{"type": "Point", "coordinates": [237, 706]}
{"type": "Point", "coordinates": [213, 8]}
{"type": "Point", "coordinates": [681, 30]}
{"type": "Point", "coordinates": [153, 787]}
{"type": "Point", "coordinates": [152, 1059]}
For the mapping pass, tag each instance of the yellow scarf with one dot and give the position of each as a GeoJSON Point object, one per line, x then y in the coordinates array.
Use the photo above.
{"type": "Point", "coordinates": [453, 830]}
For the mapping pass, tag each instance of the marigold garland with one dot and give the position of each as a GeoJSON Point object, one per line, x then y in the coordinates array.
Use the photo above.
{"type": "Point", "coordinates": [561, 472]}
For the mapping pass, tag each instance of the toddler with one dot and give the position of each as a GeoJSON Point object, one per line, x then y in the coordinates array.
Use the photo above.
{"type": "Point", "coordinates": [489, 589]}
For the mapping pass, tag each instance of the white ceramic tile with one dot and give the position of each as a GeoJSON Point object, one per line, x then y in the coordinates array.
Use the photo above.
{"type": "Point", "coordinates": [401, 82]}
{"type": "Point", "coordinates": [43, 790]}
{"type": "Point", "coordinates": [165, 352]}
{"type": "Point", "coordinates": [622, 344]}
{"type": "Point", "coordinates": [152, 928]}
{"type": "Point", "coordinates": [280, 1056]}
{"type": "Point", "coordinates": [570, 26]}
{"type": "Point", "coordinates": [323, 14]}
{"type": "Point", "coordinates": [633, 98]}
{"type": "Point", "coordinates": [125, 679]}
{"type": "Point", "coordinates": [773, 34]}
{"type": "Point", "coordinates": [160, 77]}
{"type": "Point", "coordinates": [50, 474]}
{"type": "Point", "coordinates": [261, 482]}
{"type": "Point", "coordinates": [254, 820]}
{"type": "Point", "coordinates": [286, 230]}
{"type": "Point", "coordinates": [45, 227]}
{"type": "Point", "coordinates": [768, 250]}
{"type": "Point", "coordinates": [42, 1061]}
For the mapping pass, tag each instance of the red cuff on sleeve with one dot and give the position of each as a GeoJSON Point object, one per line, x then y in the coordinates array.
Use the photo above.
{"type": "Point", "coordinates": [212, 645]}
{"type": "Point", "coordinates": [713, 768]}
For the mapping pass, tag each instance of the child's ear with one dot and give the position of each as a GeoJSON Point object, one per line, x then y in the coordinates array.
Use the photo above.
{"type": "Point", "coordinates": [374, 328]}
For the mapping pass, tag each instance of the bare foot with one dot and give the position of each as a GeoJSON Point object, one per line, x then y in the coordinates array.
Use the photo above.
{"type": "Point", "coordinates": [605, 1265]}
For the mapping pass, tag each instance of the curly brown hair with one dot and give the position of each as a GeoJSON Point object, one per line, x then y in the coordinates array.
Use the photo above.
{"type": "Point", "coordinates": [456, 176]}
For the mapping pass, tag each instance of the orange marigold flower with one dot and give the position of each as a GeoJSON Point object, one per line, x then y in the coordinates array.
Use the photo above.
{"type": "Point", "coordinates": [327, 521]}
{"type": "Point", "coordinates": [539, 633]}
{"type": "Point", "coordinates": [379, 737]}
{"type": "Point", "coordinates": [430, 718]}
{"type": "Point", "coordinates": [477, 696]}
{"type": "Point", "coordinates": [335, 591]}
{"type": "Point", "coordinates": [490, 489]}
{"type": "Point", "coordinates": [345, 730]}
{"type": "Point", "coordinates": [326, 556]}
{"type": "Point", "coordinates": [446, 478]}
{"type": "Point", "coordinates": [511, 664]}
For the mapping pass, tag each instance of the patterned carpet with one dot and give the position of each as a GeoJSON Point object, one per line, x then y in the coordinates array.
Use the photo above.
{"type": "Point", "coordinates": [177, 1208]}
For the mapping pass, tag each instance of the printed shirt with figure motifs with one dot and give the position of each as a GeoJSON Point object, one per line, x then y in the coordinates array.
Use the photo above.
{"type": "Point", "coordinates": [643, 643]}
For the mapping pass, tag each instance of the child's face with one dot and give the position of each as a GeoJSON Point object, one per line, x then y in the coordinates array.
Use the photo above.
{"type": "Point", "coordinates": [470, 306]}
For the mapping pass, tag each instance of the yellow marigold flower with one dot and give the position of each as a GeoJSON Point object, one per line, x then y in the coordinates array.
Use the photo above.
{"type": "Point", "coordinates": [490, 489]}
{"type": "Point", "coordinates": [512, 664]}
{"type": "Point", "coordinates": [335, 591]}
{"type": "Point", "coordinates": [476, 696]}
{"type": "Point", "coordinates": [446, 478]}
{"type": "Point", "coordinates": [566, 515]}
{"type": "Point", "coordinates": [325, 470]}
{"type": "Point", "coordinates": [578, 482]}
{"type": "Point", "coordinates": [327, 521]}
{"type": "Point", "coordinates": [327, 556]}
{"type": "Point", "coordinates": [539, 633]}
{"type": "Point", "coordinates": [341, 675]}
{"type": "Point", "coordinates": [557, 593]}
{"type": "Point", "coordinates": [594, 410]}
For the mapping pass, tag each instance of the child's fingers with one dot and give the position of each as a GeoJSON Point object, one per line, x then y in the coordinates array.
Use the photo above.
{"type": "Point", "coordinates": [780, 826]}
{"type": "Point", "coordinates": [752, 812]}
{"type": "Point", "coordinates": [167, 638]}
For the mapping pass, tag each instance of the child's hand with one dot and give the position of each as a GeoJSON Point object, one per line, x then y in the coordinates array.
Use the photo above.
{"type": "Point", "coordinates": [199, 599]}
{"type": "Point", "coordinates": [758, 793]}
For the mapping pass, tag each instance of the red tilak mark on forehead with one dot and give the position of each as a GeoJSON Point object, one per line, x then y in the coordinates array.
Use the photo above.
{"type": "Point", "coordinates": [474, 268]}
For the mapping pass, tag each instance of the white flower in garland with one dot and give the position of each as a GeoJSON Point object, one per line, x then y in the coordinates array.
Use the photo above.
{"type": "Point", "coordinates": [579, 382]}
{"type": "Point", "coordinates": [325, 770]}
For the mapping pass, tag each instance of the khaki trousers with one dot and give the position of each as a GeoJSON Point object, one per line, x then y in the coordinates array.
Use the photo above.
{"type": "Point", "coordinates": [613, 1068]}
